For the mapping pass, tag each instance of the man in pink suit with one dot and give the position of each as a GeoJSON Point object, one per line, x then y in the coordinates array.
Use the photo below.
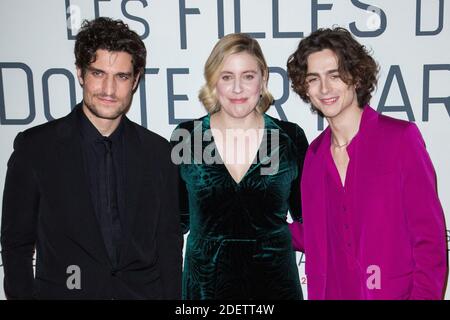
{"type": "Point", "coordinates": [373, 227]}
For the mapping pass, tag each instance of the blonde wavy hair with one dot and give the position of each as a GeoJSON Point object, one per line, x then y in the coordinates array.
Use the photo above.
{"type": "Point", "coordinates": [228, 45]}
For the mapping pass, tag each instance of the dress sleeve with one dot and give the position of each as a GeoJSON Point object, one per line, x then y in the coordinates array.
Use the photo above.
{"type": "Point", "coordinates": [295, 203]}
{"type": "Point", "coordinates": [301, 145]}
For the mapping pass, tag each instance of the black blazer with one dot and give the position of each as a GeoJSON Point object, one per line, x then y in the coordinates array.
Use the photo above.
{"type": "Point", "coordinates": [47, 208]}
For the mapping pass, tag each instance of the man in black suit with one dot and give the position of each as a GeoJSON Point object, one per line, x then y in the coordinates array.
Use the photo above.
{"type": "Point", "coordinates": [93, 193]}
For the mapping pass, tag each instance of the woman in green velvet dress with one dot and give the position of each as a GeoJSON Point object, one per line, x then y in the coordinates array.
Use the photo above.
{"type": "Point", "coordinates": [240, 174]}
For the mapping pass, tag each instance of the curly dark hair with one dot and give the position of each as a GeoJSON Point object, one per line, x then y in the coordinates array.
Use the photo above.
{"type": "Point", "coordinates": [356, 66]}
{"type": "Point", "coordinates": [112, 35]}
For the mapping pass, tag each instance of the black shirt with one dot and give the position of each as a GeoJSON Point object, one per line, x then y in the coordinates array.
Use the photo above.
{"type": "Point", "coordinates": [93, 148]}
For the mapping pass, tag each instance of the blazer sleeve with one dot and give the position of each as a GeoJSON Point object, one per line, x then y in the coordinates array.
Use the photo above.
{"type": "Point", "coordinates": [425, 217]}
{"type": "Point", "coordinates": [170, 238]}
{"type": "Point", "coordinates": [183, 204]}
{"type": "Point", "coordinates": [295, 206]}
{"type": "Point", "coordinates": [181, 146]}
{"type": "Point", "coordinates": [19, 223]}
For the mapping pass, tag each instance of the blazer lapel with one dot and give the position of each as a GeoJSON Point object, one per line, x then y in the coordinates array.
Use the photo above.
{"type": "Point", "coordinates": [133, 169]}
{"type": "Point", "coordinates": [369, 163]}
{"type": "Point", "coordinates": [81, 220]}
{"type": "Point", "coordinates": [318, 235]}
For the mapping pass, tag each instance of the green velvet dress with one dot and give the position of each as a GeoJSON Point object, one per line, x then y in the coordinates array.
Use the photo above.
{"type": "Point", "coordinates": [239, 245]}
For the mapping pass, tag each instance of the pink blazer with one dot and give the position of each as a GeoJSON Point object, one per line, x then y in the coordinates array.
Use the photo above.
{"type": "Point", "coordinates": [402, 224]}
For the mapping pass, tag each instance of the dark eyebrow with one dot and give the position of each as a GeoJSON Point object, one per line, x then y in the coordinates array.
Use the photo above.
{"type": "Point", "coordinates": [95, 69]}
{"type": "Point", "coordinates": [315, 74]}
{"type": "Point", "coordinates": [333, 71]}
{"type": "Point", "coordinates": [128, 74]}
{"type": "Point", "coordinates": [92, 69]}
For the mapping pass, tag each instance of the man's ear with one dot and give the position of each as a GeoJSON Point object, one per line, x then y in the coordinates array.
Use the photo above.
{"type": "Point", "coordinates": [80, 76]}
{"type": "Point", "coordinates": [136, 81]}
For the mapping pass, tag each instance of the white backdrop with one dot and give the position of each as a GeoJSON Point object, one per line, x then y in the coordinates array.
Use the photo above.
{"type": "Point", "coordinates": [409, 38]}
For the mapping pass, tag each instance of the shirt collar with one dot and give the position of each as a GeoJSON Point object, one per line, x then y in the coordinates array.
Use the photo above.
{"type": "Point", "coordinates": [90, 133]}
{"type": "Point", "coordinates": [368, 118]}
